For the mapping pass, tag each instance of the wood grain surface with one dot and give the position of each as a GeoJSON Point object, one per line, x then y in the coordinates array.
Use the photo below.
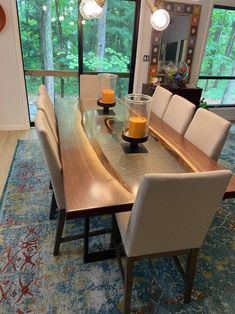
{"type": "Point", "coordinates": [190, 154]}
{"type": "Point", "coordinates": [89, 188]}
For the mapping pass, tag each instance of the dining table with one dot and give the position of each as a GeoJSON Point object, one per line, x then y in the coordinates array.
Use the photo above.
{"type": "Point", "coordinates": [101, 173]}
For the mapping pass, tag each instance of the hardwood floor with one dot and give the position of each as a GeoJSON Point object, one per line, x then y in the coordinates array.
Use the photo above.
{"type": "Point", "coordinates": [8, 141]}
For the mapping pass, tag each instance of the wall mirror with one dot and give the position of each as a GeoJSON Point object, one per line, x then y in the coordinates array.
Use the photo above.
{"type": "Point", "coordinates": [174, 41]}
{"type": "Point", "coordinates": [177, 42]}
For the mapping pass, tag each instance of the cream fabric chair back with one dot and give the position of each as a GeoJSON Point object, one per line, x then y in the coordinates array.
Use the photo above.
{"type": "Point", "coordinates": [43, 91]}
{"type": "Point", "coordinates": [43, 104]}
{"type": "Point", "coordinates": [161, 99]}
{"type": "Point", "coordinates": [208, 132]}
{"type": "Point", "coordinates": [51, 154]}
{"type": "Point", "coordinates": [179, 113]}
{"type": "Point", "coordinates": [172, 211]}
{"type": "Point", "coordinates": [88, 86]}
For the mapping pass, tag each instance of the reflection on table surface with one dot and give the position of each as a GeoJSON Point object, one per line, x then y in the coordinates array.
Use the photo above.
{"type": "Point", "coordinates": [105, 135]}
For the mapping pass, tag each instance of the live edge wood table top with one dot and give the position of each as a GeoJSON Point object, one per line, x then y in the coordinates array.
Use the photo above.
{"type": "Point", "coordinates": [99, 177]}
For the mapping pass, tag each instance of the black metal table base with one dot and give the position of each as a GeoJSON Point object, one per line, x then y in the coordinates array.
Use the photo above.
{"type": "Point", "coordinates": [98, 256]}
{"type": "Point", "coordinates": [94, 256]}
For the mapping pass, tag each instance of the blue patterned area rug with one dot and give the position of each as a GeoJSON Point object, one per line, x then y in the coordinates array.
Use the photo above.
{"type": "Point", "coordinates": [33, 281]}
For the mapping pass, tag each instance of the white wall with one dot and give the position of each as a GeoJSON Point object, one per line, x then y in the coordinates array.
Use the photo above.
{"type": "Point", "coordinates": [13, 101]}
{"type": "Point", "coordinates": [143, 48]}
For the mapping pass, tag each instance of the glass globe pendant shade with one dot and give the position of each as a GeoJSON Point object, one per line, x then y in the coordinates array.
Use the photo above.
{"type": "Point", "coordinates": [160, 19]}
{"type": "Point", "coordinates": [97, 10]}
{"type": "Point", "coordinates": [85, 8]}
{"type": "Point", "coordinates": [89, 9]}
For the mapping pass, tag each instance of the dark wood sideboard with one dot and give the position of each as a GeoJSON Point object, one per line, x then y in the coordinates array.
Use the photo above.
{"type": "Point", "coordinates": [192, 93]}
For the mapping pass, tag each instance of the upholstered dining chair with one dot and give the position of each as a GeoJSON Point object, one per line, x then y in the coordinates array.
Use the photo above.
{"type": "Point", "coordinates": [88, 86]}
{"type": "Point", "coordinates": [43, 103]}
{"type": "Point", "coordinates": [170, 217]}
{"type": "Point", "coordinates": [179, 113]}
{"type": "Point", "coordinates": [161, 99]}
{"type": "Point", "coordinates": [51, 153]}
{"type": "Point", "coordinates": [208, 132]}
{"type": "Point", "coordinates": [43, 91]}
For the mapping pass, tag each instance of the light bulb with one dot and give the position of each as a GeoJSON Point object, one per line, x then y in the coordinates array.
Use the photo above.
{"type": "Point", "coordinates": [89, 9]}
{"type": "Point", "coordinates": [97, 10]}
{"type": "Point", "coordinates": [160, 19]}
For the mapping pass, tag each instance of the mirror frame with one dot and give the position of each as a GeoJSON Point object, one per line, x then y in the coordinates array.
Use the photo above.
{"type": "Point", "coordinates": [175, 8]}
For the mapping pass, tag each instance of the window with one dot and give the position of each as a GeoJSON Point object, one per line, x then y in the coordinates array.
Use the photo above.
{"type": "Point", "coordinates": [49, 39]}
{"type": "Point", "coordinates": [217, 75]}
{"type": "Point", "coordinates": [108, 42]}
{"type": "Point", "coordinates": [56, 47]}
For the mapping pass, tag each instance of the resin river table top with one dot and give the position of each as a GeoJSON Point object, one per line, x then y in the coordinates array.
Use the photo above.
{"type": "Point", "coordinates": [99, 176]}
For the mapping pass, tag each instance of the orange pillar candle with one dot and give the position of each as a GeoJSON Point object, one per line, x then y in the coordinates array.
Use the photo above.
{"type": "Point", "coordinates": [137, 127]}
{"type": "Point", "coordinates": [108, 96]}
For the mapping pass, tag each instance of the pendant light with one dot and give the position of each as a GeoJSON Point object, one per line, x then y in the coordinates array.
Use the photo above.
{"type": "Point", "coordinates": [160, 18]}
{"type": "Point", "coordinates": [91, 9]}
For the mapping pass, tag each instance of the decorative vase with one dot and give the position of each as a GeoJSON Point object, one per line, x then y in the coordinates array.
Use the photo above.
{"type": "Point", "coordinates": [137, 115]}
{"type": "Point", "coordinates": [177, 72]}
{"type": "Point", "coordinates": [107, 91]}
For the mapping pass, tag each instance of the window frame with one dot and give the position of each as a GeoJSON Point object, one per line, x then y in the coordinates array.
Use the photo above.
{"type": "Point", "coordinates": [216, 77]}
{"type": "Point", "coordinates": [129, 74]}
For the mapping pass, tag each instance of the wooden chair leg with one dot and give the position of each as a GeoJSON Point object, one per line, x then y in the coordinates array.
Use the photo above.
{"type": "Point", "coordinates": [59, 231]}
{"type": "Point", "coordinates": [53, 207]}
{"type": "Point", "coordinates": [190, 272]}
{"type": "Point", "coordinates": [129, 267]}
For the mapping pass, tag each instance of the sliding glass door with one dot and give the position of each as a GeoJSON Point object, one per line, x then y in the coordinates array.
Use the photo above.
{"type": "Point", "coordinates": [49, 39]}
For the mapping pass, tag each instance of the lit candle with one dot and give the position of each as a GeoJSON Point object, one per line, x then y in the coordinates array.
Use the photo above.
{"type": "Point", "coordinates": [108, 96]}
{"type": "Point", "coordinates": [137, 127]}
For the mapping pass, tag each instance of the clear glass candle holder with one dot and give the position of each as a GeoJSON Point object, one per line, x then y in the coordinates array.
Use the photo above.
{"type": "Point", "coordinates": [137, 116]}
{"type": "Point", "coordinates": [107, 90]}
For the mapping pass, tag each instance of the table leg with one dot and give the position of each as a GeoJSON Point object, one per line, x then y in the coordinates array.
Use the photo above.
{"type": "Point", "coordinates": [94, 256]}
{"type": "Point", "coordinates": [86, 239]}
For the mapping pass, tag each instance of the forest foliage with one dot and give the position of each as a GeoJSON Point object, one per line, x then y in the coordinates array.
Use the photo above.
{"type": "Point", "coordinates": [219, 58]}
{"type": "Point", "coordinates": [102, 52]}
